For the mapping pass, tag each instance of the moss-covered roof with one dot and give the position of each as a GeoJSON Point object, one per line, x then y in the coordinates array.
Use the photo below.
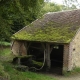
{"type": "Point", "coordinates": [59, 27]}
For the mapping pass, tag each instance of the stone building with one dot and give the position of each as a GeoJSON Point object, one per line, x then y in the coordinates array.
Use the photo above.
{"type": "Point", "coordinates": [56, 34]}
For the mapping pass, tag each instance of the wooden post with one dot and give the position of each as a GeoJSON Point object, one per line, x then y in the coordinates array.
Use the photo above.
{"type": "Point", "coordinates": [19, 63]}
{"type": "Point", "coordinates": [26, 46]}
{"type": "Point", "coordinates": [19, 52]}
{"type": "Point", "coordinates": [47, 57]}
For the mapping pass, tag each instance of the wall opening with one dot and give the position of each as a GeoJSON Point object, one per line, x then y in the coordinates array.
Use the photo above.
{"type": "Point", "coordinates": [56, 57]}
{"type": "Point", "coordinates": [36, 50]}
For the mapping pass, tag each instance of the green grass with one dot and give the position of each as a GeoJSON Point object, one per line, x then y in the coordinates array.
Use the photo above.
{"type": "Point", "coordinates": [11, 73]}
{"type": "Point", "coordinates": [5, 43]}
{"type": "Point", "coordinates": [18, 75]}
{"type": "Point", "coordinates": [5, 51]}
{"type": "Point", "coordinates": [5, 54]}
{"type": "Point", "coordinates": [75, 71]}
{"type": "Point", "coordinates": [3, 73]}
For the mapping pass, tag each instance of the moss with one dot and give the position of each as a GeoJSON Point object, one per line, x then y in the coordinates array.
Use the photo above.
{"type": "Point", "coordinates": [38, 64]}
{"type": "Point", "coordinates": [33, 62]}
{"type": "Point", "coordinates": [48, 33]}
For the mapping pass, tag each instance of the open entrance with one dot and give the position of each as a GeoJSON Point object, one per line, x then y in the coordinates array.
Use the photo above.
{"type": "Point", "coordinates": [36, 50]}
{"type": "Point", "coordinates": [56, 57]}
{"type": "Point", "coordinates": [38, 58]}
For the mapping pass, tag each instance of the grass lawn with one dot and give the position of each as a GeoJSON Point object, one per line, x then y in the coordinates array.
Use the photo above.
{"type": "Point", "coordinates": [14, 74]}
{"type": "Point", "coordinates": [18, 75]}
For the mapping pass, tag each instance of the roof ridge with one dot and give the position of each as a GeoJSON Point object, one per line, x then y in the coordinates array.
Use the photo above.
{"type": "Point", "coordinates": [60, 27]}
{"type": "Point", "coordinates": [63, 11]}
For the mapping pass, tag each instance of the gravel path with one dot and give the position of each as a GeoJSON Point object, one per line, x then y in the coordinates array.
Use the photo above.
{"type": "Point", "coordinates": [68, 78]}
{"type": "Point", "coordinates": [73, 77]}
{"type": "Point", "coordinates": [60, 77]}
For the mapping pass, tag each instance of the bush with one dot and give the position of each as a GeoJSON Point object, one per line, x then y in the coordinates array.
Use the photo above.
{"type": "Point", "coordinates": [5, 43]}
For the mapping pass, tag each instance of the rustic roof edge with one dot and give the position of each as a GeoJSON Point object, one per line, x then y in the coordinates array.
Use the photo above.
{"type": "Point", "coordinates": [62, 11]}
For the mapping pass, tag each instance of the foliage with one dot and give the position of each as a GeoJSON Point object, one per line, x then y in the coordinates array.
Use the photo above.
{"type": "Point", "coordinates": [2, 43]}
{"type": "Point", "coordinates": [5, 54]}
{"type": "Point", "coordinates": [3, 75]}
{"type": "Point", "coordinates": [15, 14]}
{"type": "Point", "coordinates": [70, 4]}
{"type": "Point", "coordinates": [5, 51]}
{"type": "Point", "coordinates": [51, 7]}
{"type": "Point", "coordinates": [17, 75]}
{"type": "Point", "coordinates": [7, 70]}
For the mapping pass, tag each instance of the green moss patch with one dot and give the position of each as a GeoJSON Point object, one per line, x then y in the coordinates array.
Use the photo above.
{"type": "Point", "coordinates": [48, 31]}
{"type": "Point", "coordinates": [48, 34]}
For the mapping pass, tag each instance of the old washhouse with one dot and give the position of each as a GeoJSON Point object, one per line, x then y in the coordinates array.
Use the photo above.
{"type": "Point", "coordinates": [53, 39]}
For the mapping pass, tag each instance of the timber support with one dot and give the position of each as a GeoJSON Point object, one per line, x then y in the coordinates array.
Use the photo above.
{"type": "Point", "coordinates": [47, 57]}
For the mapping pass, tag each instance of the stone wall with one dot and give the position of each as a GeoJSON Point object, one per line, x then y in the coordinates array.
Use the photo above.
{"type": "Point", "coordinates": [18, 48]}
{"type": "Point", "coordinates": [75, 52]}
{"type": "Point", "coordinates": [65, 57]}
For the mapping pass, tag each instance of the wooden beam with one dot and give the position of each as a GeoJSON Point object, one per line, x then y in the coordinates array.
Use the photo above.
{"type": "Point", "coordinates": [19, 52]}
{"type": "Point", "coordinates": [36, 47]}
{"type": "Point", "coordinates": [19, 63]}
{"type": "Point", "coordinates": [26, 46]}
{"type": "Point", "coordinates": [47, 57]}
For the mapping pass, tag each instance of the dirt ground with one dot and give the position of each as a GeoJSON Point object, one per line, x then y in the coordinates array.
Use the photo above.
{"type": "Point", "coordinates": [77, 77]}
{"type": "Point", "coordinates": [60, 77]}
{"type": "Point", "coordinates": [56, 73]}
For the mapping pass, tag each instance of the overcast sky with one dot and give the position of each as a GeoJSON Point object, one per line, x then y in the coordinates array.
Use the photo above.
{"type": "Point", "coordinates": [57, 1]}
{"type": "Point", "coordinates": [61, 1]}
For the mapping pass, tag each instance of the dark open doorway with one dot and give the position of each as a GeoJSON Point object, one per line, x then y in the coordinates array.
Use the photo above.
{"type": "Point", "coordinates": [56, 57]}
{"type": "Point", "coordinates": [36, 50]}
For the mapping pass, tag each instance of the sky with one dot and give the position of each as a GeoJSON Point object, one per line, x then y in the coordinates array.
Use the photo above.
{"type": "Point", "coordinates": [61, 1]}
{"type": "Point", "coordinates": [57, 1]}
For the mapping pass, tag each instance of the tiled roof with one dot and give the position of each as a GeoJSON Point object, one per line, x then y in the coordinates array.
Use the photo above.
{"type": "Point", "coordinates": [59, 27]}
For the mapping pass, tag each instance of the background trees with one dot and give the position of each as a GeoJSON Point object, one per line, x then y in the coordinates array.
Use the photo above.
{"type": "Point", "coordinates": [51, 7]}
{"type": "Point", "coordinates": [71, 4]}
{"type": "Point", "coordinates": [15, 14]}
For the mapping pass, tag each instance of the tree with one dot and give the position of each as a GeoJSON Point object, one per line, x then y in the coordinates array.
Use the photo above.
{"type": "Point", "coordinates": [15, 14]}
{"type": "Point", "coordinates": [47, 0]}
{"type": "Point", "coordinates": [71, 4]}
{"type": "Point", "coordinates": [68, 4]}
{"type": "Point", "coordinates": [51, 7]}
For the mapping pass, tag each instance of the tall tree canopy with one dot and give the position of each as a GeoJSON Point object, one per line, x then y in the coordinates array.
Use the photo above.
{"type": "Point", "coordinates": [14, 14]}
